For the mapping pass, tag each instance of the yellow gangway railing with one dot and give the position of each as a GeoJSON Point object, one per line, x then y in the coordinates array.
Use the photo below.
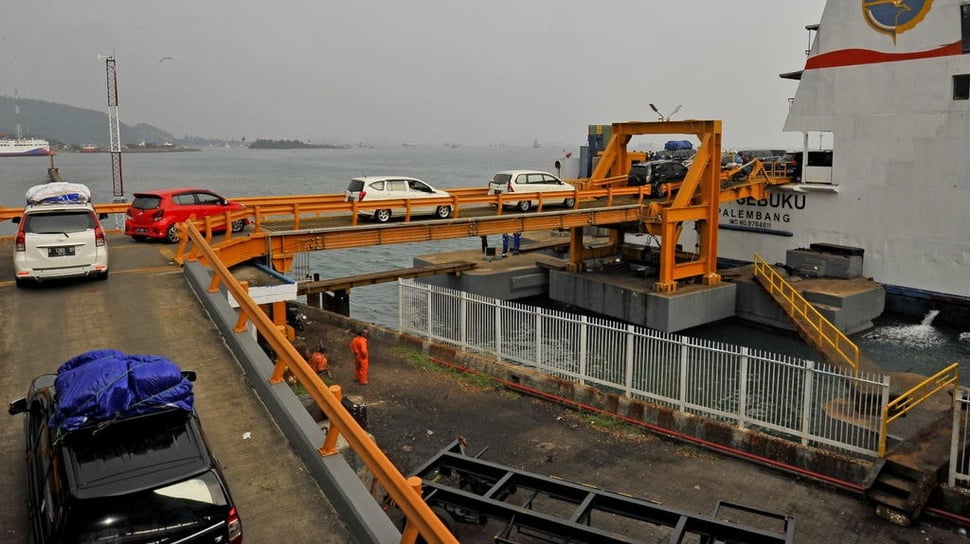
{"type": "Point", "coordinates": [406, 492]}
{"type": "Point", "coordinates": [909, 400]}
{"type": "Point", "coordinates": [831, 338]}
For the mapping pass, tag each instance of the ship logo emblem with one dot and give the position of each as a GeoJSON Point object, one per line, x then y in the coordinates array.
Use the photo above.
{"type": "Point", "coordinates": [893, 17]}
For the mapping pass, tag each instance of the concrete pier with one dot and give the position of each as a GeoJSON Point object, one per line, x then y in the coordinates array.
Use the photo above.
{"type": "Point", "coordinates": [623, 290]}
{"type": "Point", "coordinates": [631, 298]}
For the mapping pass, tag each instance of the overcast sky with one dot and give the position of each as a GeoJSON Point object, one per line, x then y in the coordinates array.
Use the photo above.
{"type": "Point", "coordinates": [424, 71]}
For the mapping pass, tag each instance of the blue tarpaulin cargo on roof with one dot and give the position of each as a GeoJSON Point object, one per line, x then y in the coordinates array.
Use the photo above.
{"type": "Point", "coordinates": [106, 384]}
{"type": "Point", "coordinates": [674, 145]}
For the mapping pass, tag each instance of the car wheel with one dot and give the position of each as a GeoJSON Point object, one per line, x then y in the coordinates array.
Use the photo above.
{"type": "Point", "coordinates": [569, 202]}
{"type": "Point", "coordinates": [238, 226]}
{"type": "Point", "coordinates": [635, 180]}
{"type": "Point", "coordinates": [172, 234]}
{"type": "Point", "coordinates": [443, 212]}
{"type": "Point", "coordinates": [382, 216]}
{"type": "Point", "coordinates": [139, 238]}
{"type": "Point", "coordinates": [524, 205]}
{"type": "Point", "coordinates": [102, 276]}
{"type": "Point", "coordinates": [21, 283]}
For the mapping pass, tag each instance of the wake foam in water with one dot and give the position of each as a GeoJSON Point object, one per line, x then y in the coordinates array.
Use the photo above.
{"type": "Point", "coordinates": [923, 335]}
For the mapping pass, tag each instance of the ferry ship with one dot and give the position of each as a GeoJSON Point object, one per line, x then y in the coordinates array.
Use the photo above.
{"type": "Point", "coordinates": [21, 147]}
{"type": "Point", "coordinates": [889, 84]}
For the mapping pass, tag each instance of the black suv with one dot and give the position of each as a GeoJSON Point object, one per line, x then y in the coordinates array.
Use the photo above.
{"type": "Point", "coordinates": [144, 478]}
{"type": "Point", "coordinates": [656, 173]}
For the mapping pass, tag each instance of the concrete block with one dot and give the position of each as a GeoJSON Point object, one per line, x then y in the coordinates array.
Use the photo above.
{"type": "Point", "coordinates": [816, 264]}
{"type": "Point", "coordinates": [672, 312]}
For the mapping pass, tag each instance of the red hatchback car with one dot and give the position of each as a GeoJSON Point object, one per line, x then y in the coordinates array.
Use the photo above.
{"type": "Point", "coordinates": [154, 214]}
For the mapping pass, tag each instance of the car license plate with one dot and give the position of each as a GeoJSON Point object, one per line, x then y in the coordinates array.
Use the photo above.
{"type": "Point", "coordinates": [60, 251]}
{"type": "Point", "coordinates": [141, 231]}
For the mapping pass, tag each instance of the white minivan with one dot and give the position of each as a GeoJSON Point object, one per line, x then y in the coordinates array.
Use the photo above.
{"type": "Point", "coordinates": [376, 188]}
{"type": "Point", "coordinates": [59, 240]}
{"type": "Point", "coordinates": [528, 181]}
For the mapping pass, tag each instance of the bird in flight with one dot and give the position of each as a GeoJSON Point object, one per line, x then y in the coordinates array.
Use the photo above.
{"type": "Point", "coordinates": [163, 59]}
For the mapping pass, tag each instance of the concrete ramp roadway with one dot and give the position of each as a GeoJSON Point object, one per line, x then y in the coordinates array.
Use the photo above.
{"type": "Point", "coordinates": [146, 307]}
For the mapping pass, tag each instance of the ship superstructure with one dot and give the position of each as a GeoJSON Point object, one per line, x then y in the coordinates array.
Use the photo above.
{"type": "Point", "coordinates": [889, 84]}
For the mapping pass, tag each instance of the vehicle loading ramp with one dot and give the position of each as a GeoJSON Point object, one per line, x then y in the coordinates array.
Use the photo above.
{"type": "Point", "coordinates": [556, 510]}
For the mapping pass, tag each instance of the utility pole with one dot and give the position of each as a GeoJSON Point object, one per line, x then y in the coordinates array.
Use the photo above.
{"type": "Point", "coordinates": [114, 130]}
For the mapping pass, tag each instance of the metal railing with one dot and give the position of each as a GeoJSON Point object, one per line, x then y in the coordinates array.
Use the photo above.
{"type": "Point", "coordinates": [960, 445]}
{"type": "Point", "coordinates": [780, 395]}
{"type": "Point", "coordinates": [909, 400]}
{"type": "Point", "coordinates": [830, 337]}
{"type": "Point", "coordinates": [406, 492]}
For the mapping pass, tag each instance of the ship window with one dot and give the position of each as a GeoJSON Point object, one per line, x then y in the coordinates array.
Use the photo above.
{"type": "Point", "coordinates": [965, 26]}
{"type": "Point", "coordinates": [961, 87]}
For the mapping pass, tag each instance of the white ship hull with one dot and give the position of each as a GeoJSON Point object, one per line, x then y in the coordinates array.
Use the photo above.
{"type": "Point", "coordinates": [893, 100]}
{"type": "Point", "coordinates": [24, 148]}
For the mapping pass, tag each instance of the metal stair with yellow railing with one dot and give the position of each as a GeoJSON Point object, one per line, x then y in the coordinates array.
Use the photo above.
{"type": "Point", "coordinates": [818, 331]}
{"type": "Point", "coordinates": [909, 472]}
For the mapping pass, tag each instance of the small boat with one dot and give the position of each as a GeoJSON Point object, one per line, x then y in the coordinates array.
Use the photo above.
{"type": "Point", "coordinates": [536, 144]}
{"type": "Point", "coordinates": [90, 148]}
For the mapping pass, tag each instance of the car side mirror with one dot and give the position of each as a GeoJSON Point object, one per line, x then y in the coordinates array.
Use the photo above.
{"type": "Point", "coordinates": [189, 375]}
{"type": "Point", "coordinates": [15, 219]}
{"type": "Point", "coordinates": [224, 202]}
{"type": "Point", "coordinates": [102, 216]}
{"type": "Point", "coordinates": [18, 406]}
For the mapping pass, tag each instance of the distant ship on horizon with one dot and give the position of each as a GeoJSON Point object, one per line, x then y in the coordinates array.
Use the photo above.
{"type": "Point", "coordinates": [20, 146]}
{"type": "Point", "coordinates": [24, 147]}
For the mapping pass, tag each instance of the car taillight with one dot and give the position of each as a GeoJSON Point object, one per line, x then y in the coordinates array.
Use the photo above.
{"type": "Point", "coordinates": [21, 243]}
{"type": "Point", "coordinates": [235, 527]}
{"type": "Point", "coordinates": [99, 236]}
{"type": "Point", "coordinates": [361, 195]}
{"type": "Point", "coordinates": [129, 213]}
{"type": "Point", "coordinates": [157, 216]}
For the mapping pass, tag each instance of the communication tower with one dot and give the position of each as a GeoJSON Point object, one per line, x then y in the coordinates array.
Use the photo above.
{"type": "Point", "coordinates": [114, 130]}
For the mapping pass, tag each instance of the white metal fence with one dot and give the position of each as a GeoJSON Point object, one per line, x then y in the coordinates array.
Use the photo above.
{"type": "Point", "coordinates": [960, 446]}
{"type": "Point", "coordinates": [777, 394]}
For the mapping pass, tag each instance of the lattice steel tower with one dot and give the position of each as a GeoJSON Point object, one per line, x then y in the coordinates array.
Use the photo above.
{"type": "Point", "coordinates": [114, 130]}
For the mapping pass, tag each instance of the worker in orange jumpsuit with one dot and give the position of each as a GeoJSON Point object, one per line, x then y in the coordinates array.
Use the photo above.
{"type": "Point", "coordinates": [318, 361]}
{"type": "Point", "coordinates": [358, 347]}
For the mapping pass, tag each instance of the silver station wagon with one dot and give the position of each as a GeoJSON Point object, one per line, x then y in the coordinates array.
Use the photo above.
{"type": "Point", "coordinates": [528, 181]}
{"type": "Point", "coordinates": [370, 189]}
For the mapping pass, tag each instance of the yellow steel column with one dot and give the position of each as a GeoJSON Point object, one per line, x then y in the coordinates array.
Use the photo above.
{"type": "Point", "coordinates": [711, 190]}
{"type": "Point", "coordinates": [575, 249]}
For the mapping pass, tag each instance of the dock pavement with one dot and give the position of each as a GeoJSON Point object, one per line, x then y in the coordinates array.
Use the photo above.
{"type": "Point", "coordinates": [147, 307]}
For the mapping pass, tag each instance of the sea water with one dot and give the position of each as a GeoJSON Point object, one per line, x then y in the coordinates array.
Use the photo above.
{"type": "Point", "coordinates": [896, 343]}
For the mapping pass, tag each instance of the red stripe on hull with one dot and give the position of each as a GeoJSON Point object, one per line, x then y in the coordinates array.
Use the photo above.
{"type": "Point", "coordinates": [855, 57]}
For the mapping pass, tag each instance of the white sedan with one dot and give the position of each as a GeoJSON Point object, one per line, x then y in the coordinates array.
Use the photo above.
{"type": "Point", "coordinates": [369, 189]}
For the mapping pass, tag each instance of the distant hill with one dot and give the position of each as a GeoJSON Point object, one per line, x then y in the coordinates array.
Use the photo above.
{"type": "Point", "coordinates": [66, 125]}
